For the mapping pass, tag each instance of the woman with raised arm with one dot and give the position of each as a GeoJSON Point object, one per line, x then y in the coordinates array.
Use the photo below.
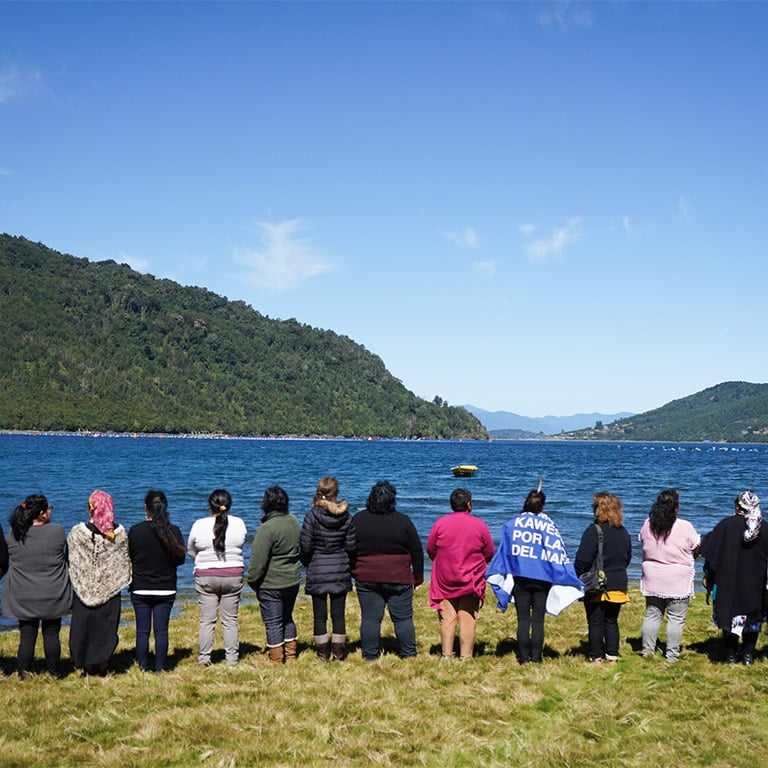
{"type": "Point", "coordinates": [38, 590]}
{"type": "Point", "coordinates": [157, 550]}
{"type": "Point", "coordinates": [216, 544]}
{"type": "Point", "coordinates": [531, 568]}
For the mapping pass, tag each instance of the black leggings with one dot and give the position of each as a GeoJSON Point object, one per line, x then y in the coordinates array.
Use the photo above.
{"type": "Point", "coordinates": [530, 602]}
{"type": "Point", "coordinates": [320, 613]}
{"type": "Point", "coordinates": [28, 639]}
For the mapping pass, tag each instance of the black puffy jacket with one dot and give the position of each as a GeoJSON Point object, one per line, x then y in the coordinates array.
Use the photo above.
{"type": "Point", "coordinates": [327, 548]}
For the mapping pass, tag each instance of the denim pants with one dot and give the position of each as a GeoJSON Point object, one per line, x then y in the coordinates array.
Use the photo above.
{"type": "Point", "coordinates": [398, 600]}
{"type": "Point", "coordinates": [149, 610]}
{"type": "Point", "coordinates": [676, 610]}
{"type": "Point", "coordinates": [218, 595]}
{"type": "Point", "coordinates": [277, 613]}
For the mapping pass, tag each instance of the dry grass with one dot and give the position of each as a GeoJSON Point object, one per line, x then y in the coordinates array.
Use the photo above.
{"type": "Point", "coordinates": [491, 712]}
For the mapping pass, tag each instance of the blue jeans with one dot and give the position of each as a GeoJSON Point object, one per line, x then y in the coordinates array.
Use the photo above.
{"type": "Point", "coordinates": [398, 599]}
{"type": "Point", "coordinates": [277, 613]}
{"type": "Point", "coordinates": [149, 610]}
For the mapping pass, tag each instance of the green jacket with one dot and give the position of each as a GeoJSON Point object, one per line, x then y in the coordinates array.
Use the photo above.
{"type": "Point", "coordinates": [275, 553]}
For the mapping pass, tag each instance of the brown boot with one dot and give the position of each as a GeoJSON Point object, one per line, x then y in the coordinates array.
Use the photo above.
{"type": "Point", "coordinates": [276, 654]}
{"type": "Point", "coordinates": [339, 647]}
{"type": "Point", "coordinates": [291, 649]}
{"type": "Point", "coordinates": [322, 647]}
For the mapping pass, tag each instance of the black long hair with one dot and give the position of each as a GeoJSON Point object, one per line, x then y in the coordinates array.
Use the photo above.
{"type": "Point", "coordinates": [534, 501]}
{"type": "Point", "coordinates": [664, 513]}
{"type": "Point", "coordinates": [25, 514]}
{"type": "Point", "coordinates": [275, 500]}
{"type": "Point", "coordinates": [156, 505]}
{"type": "Point", "coordinates": [220, 503]}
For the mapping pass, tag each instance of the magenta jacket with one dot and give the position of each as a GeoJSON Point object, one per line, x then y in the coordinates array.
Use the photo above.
{"type": "Point", "coordinates": [460, 547]}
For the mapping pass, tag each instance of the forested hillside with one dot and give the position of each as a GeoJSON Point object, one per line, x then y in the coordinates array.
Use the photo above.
{"type": "Point", "coordinates": [735, 411]}
{"type": "Point", "coordinates": [98, 346]}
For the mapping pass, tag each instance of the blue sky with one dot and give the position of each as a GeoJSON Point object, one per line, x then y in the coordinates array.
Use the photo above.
{"type": "Point", "coordinates": [545, 208]}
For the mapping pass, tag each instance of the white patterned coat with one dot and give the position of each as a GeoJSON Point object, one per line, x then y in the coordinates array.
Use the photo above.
{"type": "Point", "coordinates": [98, 568]}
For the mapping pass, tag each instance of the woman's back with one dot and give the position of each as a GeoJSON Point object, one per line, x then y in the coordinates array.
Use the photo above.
{"type": "Point", "coordinates": [37, 585]}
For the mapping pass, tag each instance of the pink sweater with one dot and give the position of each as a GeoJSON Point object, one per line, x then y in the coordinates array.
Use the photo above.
{"type": "Point", "coordinates": [460, 546]}
{"type": "Point", "coordinates": [668, 569]}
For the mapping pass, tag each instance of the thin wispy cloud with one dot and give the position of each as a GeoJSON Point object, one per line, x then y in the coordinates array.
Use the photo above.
{"type": "Point", "coordinates": [485, 268]}
{"type": "Point", "coordinates": [686, 208]}
{"type": "Point", "coordinates": [4, 172]}
{"type": "Point", "coordinates": [465, 238]}
{"type": "Point", "coordinates": [134, 262]}
{"type": "Point", "coordinates": [626, 223]}
{"type": "Point", "coordinates": [566, 13]}
{"type": "Point", "coordinates": [552, 245]}
{"type": "Point", "coordinates": [285, 259]}
{"type": "Point", "coordinates": [15, 83]}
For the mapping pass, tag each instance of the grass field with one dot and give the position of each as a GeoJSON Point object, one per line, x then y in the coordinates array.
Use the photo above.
{"type": "Point", "coordinates": [490, 712]}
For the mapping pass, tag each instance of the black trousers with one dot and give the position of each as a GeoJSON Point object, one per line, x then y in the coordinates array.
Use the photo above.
{"type": "Point", "coordinates": [530, 603]}
{"type": "Point", "coordinates": [51, 645]}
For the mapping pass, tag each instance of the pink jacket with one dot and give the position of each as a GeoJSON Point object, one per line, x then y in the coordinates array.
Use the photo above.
{"type": "Point", "coordinates": [668, 566]}
{"type": "Point", "coordinates": [460, 547]}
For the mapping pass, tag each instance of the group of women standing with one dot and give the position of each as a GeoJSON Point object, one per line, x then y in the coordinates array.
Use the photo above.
{"type": "Point", "coordinates": [669, 546]}
{"type": "Point", "coordinates": [52, 574]}
{"type": "Point", "coordinates": [530, 569]}
{"type": "Point", "coordinates": [735, 572]}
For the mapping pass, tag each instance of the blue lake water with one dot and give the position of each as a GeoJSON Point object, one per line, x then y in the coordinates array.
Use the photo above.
{"type": "Point", "coordinates": [66, 468]}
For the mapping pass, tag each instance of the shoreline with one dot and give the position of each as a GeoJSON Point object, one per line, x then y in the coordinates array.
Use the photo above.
{"type": "Point", "coordinates": [714, 444]}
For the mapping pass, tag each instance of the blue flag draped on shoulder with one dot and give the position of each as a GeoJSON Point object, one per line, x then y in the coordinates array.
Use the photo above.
{"type": "Point", "coordinates": [531, 547]}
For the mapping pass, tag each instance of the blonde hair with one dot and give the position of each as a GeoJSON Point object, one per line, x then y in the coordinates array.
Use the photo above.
{"type": "Point", "coordinates": [607, 509]}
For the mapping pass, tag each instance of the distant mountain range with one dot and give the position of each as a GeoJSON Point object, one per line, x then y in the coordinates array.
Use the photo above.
{"type": "Point", "coordinates": [534, 426]}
